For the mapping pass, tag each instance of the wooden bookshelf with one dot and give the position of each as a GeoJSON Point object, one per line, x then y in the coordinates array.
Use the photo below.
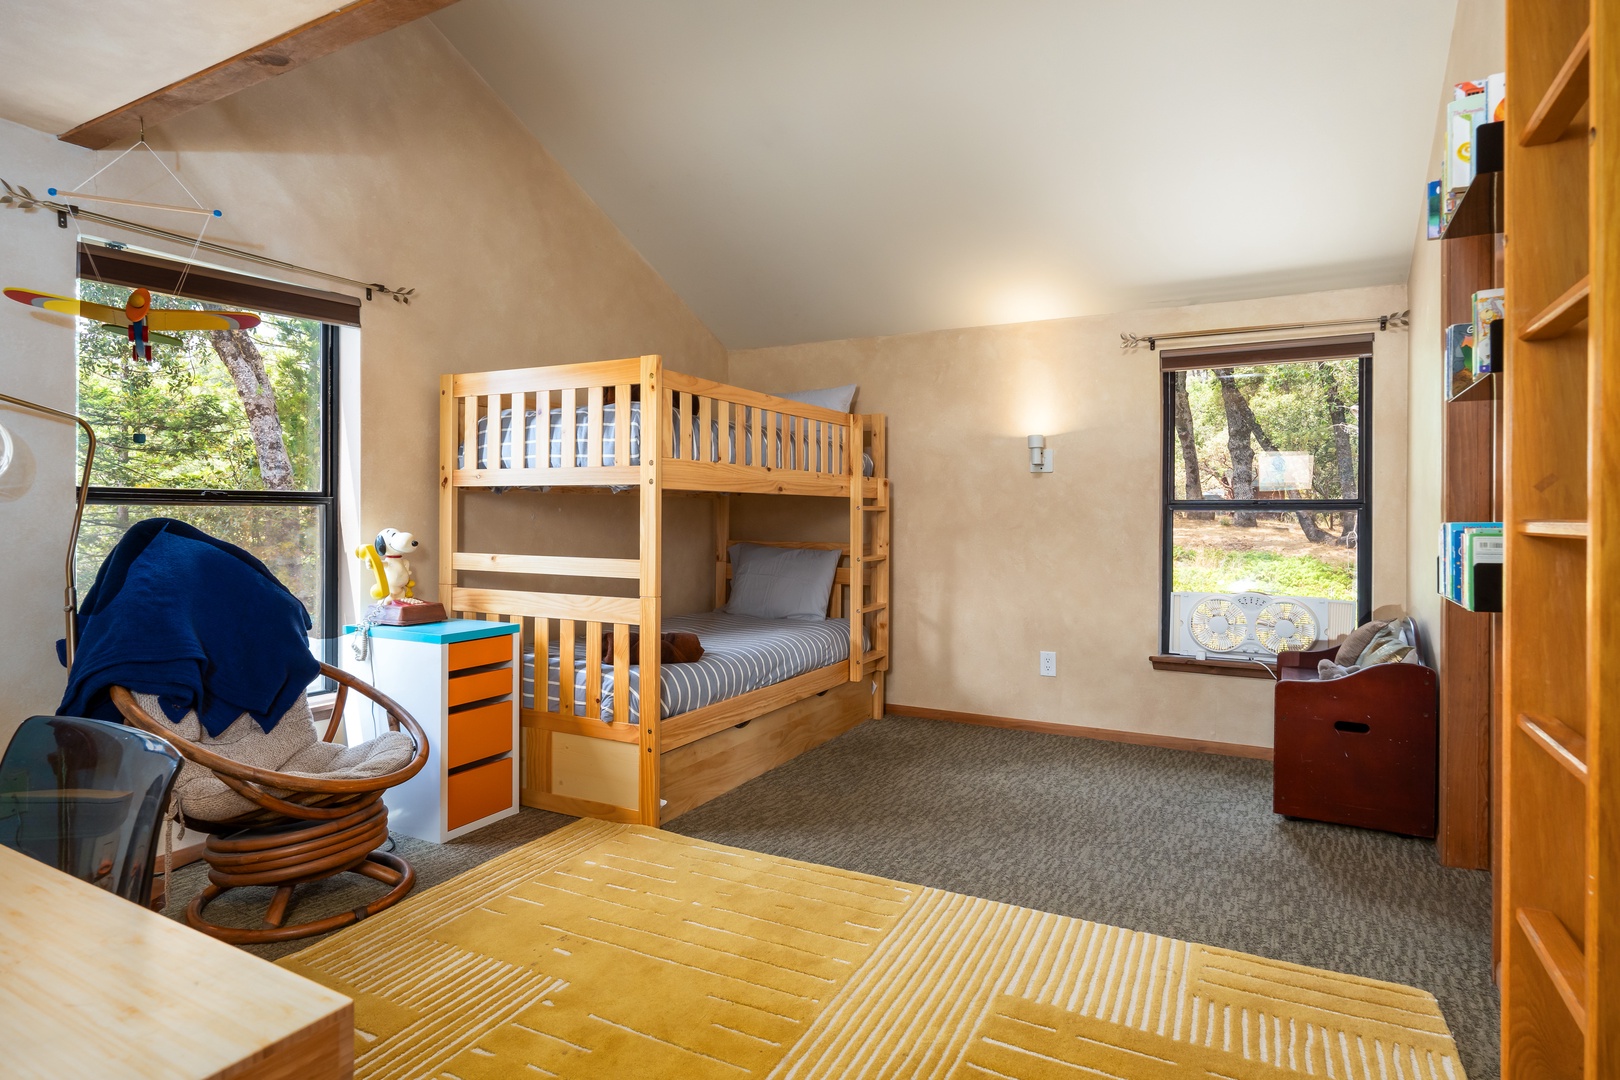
{"type": "Point", "coordinates": [1558, 916]}
{"type": "Point", "coordinates": [1471, 490]}
{"type": "Point", "coordinates": [1479, 213]}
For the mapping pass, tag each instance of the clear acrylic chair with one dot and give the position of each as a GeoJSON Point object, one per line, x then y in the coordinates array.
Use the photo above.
{"type": "Point", "coordinates": [88, 798]}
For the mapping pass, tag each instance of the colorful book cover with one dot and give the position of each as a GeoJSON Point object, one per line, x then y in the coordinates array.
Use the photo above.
{"type": "Point", "coordinates": [1443, 561]}
{"type": "Point", "coordinates": [1461, 119]}
{"type": "Point", "coordinates": [1435, 226]}
{"type": "Point", "coordinates": [1496, 98]}
{"type": "Point", "coordinates": [1488, 307]}
{"type": "Point", "coordinates": [1453, 552]}
{"type": "Point", "coordinates": [1459, 353]}
{"type": "Point", "coordinates": [1483, 551]}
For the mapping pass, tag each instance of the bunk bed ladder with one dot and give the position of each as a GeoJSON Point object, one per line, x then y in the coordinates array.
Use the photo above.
{"type": "Point", "coordinates": [869, 557]}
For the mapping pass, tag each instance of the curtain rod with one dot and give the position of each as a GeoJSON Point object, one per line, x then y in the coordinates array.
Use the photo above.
{"type": "Point", "coordinates": [23, 199]}
{"type": "Point", "coordinates": [1394, 320]}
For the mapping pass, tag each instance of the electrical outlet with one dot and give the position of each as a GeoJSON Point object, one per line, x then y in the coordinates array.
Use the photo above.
{"type": "Point", "coordinates": [1049, 663]}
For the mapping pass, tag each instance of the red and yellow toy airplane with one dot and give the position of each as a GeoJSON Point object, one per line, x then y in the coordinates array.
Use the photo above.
{"type": "Point", "coordinates": [139, 316]}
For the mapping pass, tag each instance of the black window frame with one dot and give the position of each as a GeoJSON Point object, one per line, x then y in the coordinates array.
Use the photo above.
{"type": "Point", "coordinates": [325, 496]}
{"type": "Point", "coordinates": [1363, 504]}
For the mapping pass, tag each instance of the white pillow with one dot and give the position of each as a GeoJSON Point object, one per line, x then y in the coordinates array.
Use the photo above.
{"type": "Point", "coordinates": [781, 583]}
{"type": "Point", "coordinates": [836, 398]}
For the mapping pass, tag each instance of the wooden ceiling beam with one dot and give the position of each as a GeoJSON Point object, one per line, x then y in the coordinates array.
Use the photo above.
{"type": "Point", "coordinates": [348, 24]}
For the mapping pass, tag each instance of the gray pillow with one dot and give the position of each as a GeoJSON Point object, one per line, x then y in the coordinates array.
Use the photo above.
{"type": "Point", "coordinates": [781, 583]}
{"type": "Point", "coordinates": [836, 398]}
{"type": "Point", "coordinates": [1354, 645]}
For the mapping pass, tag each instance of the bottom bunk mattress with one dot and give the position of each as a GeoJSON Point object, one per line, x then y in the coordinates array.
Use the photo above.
{"type": "Point", "coordinates": [740, 654]}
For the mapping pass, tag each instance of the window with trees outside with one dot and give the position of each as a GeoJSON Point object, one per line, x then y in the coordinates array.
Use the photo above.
{"type": "Point", "coordinates": [230, 431]}
{"type": "Point", "coordinates": [1267, 450]}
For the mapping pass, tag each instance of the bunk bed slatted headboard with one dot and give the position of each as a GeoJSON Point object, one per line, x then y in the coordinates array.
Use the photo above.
{"type": "Point", "coordinates": [539, 427]}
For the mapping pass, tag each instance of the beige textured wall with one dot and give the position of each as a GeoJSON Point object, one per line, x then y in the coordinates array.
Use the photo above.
{"type": "Point", "coordinates": [1478, 47]}
{"type": "Point", "coordinates": [993, 564]}
{"type": "Point", "coordinates": [36, 492]}
{"type": "Point", "coordinates": [390, 160]}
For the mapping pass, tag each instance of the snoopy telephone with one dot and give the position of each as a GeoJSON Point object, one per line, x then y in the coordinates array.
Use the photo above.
{"type": "Point", "coordinates": [397, 607]}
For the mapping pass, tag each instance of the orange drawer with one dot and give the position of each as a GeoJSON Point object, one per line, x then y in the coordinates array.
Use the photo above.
{"type": "Point", "coordinates": [479, 733]}
{"type": "Point", "coordinates": [480, 685]}
{"type": "Point", "coordinates": [480, 651]}
{"type": "Point", "coordinates": [480, 791]}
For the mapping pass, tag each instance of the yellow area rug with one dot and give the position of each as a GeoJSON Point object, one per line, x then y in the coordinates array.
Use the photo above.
{"type": "Point", "coordinates": [618, 952]}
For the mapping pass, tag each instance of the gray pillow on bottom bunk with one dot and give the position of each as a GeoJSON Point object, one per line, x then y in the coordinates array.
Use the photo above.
{"type": "Point", "coordinates": [781, 583]}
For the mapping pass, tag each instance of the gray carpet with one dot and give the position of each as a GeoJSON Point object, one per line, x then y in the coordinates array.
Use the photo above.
{"type": "Point", "coordinates": [1175, 843]}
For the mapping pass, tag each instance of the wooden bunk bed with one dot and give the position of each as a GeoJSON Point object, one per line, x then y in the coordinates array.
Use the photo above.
{"type": "Point", "coordinates": [710, 438]}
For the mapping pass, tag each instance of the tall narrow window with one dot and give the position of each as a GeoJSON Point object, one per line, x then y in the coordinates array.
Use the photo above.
{"type": "Point", "coordinates": [1267, 505]}
{"type": "Point", "coordinates": [231, 431]}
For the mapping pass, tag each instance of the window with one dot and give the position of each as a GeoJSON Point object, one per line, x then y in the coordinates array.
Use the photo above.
{"type": "Point", "coordinates": [233, 432]}
{"type": "Point", "coordinates": [1266, 457]}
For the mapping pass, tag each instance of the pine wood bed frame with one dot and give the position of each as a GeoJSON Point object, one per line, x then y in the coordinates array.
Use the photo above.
{"type": "Point", "coordinates": [649, 772]}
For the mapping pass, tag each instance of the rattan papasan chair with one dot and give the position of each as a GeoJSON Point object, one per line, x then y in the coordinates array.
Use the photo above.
{"type": "Point", "coordinates": [283, 809]}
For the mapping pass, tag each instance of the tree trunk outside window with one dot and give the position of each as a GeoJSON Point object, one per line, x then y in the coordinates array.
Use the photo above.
{"type": "Point", "coordinates": [242, 359]}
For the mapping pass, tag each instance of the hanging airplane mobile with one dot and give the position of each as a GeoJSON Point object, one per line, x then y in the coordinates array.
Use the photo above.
{"type": "Point", "coordinates": [139, 316]}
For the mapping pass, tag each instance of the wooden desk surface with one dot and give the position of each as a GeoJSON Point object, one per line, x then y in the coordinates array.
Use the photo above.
{"type": "Point", "coordinates": [94, 986]}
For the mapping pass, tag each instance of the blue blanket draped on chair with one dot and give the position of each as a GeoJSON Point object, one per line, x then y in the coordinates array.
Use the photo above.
{"type": "Point", "coordinates": [198, 622]}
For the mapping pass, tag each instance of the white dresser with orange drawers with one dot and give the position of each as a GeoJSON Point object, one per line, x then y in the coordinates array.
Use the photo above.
{"type": "Point", "coordinates": [460, 680]}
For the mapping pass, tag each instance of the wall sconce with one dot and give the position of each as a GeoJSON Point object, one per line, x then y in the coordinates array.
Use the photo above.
{"type": "Point", "coordinates": [1040, 458]}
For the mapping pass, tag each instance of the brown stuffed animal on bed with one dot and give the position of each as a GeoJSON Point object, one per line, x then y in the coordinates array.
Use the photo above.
{"type": "Point", "coordinates": [674, 647]}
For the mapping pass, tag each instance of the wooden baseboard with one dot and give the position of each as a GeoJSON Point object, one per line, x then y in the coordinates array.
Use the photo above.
{"type": "Point", "coordinates": [1138, 738]}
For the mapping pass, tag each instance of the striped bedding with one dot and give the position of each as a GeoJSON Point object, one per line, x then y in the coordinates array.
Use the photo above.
{"type": "Point", "coordinates": [582, 438]}
{"type": "Point", "coordinates": [740, 653]}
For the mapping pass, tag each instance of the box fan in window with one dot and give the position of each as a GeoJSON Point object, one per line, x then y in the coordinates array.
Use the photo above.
{"type": "Point", "coordinates": [1248, 626]}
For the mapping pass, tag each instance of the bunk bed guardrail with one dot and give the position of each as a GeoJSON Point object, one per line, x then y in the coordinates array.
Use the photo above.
{"type": "Point", "coordinates": [566, 426]}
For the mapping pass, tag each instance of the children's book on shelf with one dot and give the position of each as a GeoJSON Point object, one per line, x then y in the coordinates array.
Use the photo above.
{"type": "Point", "coordinates": [1488, 307]}
{"type": "Point", "coordinates": [1494, 87]}
{"type": "Point", "coordinates": [1453, 544]}
{"type": "Point", "coordinates": [1462, 117]}
{"type": "Point", "coordinates": [1459, 358]}
{"type": "Point", "coordinates": [1436, 227]}
{"type": "Point", "coordinates": [1483, 550]}
{"type": "Point", "coordinates": [1496, 97]}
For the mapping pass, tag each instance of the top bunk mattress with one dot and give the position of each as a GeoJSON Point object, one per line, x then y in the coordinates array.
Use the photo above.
{"type": "Point", "coordinates": [740, 654]}
{"type": "Point", "coordinates": [685, 435]}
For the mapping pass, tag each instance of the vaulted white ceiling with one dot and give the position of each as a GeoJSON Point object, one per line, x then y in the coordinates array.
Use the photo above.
{"type": "Point", "coordinates": [63, 62]}
{"type": "Point", "coordinates": [808, 171]}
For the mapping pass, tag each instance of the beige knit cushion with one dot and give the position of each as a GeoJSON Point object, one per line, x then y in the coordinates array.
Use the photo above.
{"type": "Point", "coordinates": [1354, 645]}
{"type": "Point", "coordinates": [289, 747]}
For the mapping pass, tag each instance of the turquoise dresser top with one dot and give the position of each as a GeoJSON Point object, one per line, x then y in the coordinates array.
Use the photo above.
{"type": "Point", "coordinates": [440, 633]}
